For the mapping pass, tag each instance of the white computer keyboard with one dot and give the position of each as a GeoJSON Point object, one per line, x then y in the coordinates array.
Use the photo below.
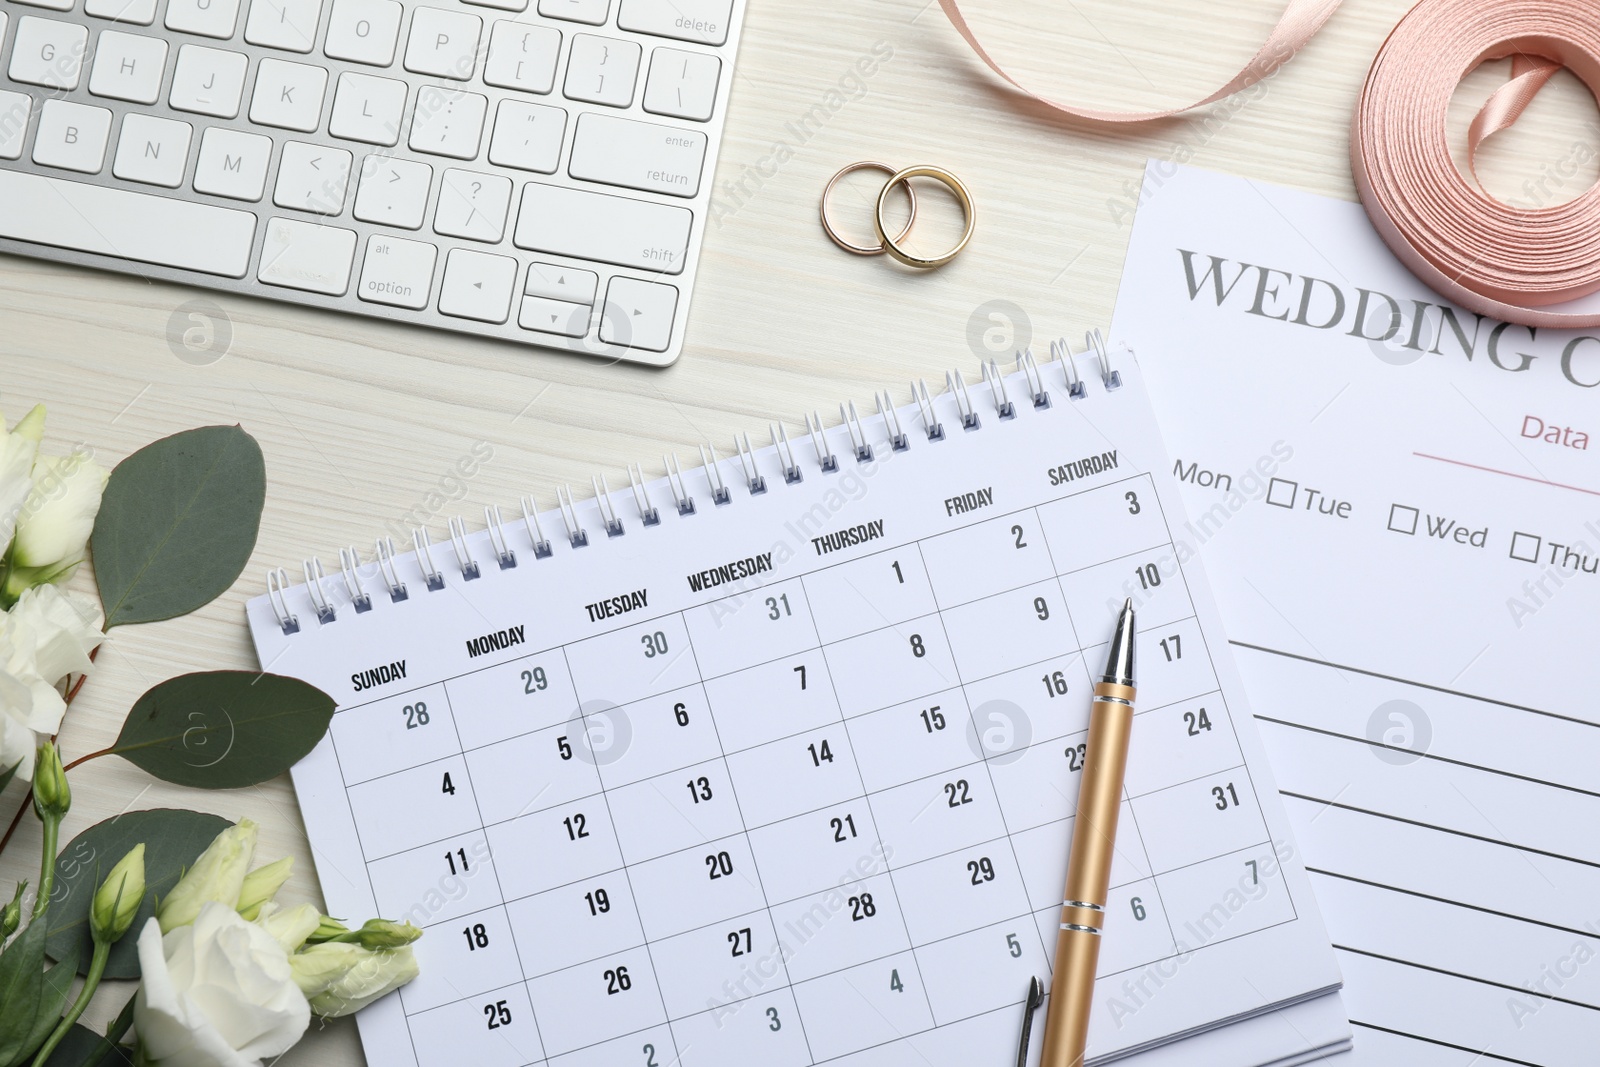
{"type": "Point", "coordinates": [532, 170]}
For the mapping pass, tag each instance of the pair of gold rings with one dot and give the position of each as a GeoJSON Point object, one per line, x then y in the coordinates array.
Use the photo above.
{"type": "Point", "coordinates": [899, 179]}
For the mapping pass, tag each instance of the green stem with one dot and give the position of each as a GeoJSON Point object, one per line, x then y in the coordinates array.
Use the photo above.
{"type": "Point", "coordinates": [47, 867]}
{"type": "Point", "coordinates": [91, 982]}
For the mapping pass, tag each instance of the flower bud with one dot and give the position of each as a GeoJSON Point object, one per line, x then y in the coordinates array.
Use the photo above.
{"type": "Point", "coordinates": [11, 914]}
{"type": "Point", "coordinates": [217, 875]}
{"type": "Point", "coordinates": [31, 425]}
{"type": "Point", "coordinates": [341, 979]}
{"type": "Point", "coordinates": [380, 934]}
{"type": "Point", "coordinates": [289, 927]}
{"type": "Point", "coordinates": [51, 795]}
{"type": "Point", "coordinates": [261, 885]}
{"type": "Point", "coordinates": [117, 900]}
{"type": "Point", "coordinates": [327, 930]}
{"type": "Point", "coordinates": [57, 519]}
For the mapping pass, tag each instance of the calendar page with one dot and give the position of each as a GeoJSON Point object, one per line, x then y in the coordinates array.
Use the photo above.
{"type": "Point", "coordinates": [788, 777]}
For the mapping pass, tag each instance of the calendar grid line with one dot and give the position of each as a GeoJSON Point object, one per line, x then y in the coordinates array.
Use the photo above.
{"type": "Point", "coordinates": [627, 875]}
{"type": "Point", "coordinates": [888, 866]}
{"type": "Point", "coordinates": [966, 699]}
{"type": "Point", "coordinates": [1151, 867]}
{"type": "Point", "coordinates": [366, 866]}
{"type": "Point", "coordinates": [745, 828]}
{"type": "Point", "coordinates": [500, 891]}
{"type": "Point", "coordinates": [1211, 658]}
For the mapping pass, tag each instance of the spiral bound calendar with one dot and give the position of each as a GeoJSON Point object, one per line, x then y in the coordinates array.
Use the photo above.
{"type": "Point", "coordinates": [774, 761]}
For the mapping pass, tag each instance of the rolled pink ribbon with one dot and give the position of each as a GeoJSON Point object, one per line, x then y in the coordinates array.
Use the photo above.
{"type": "Point", "coordinates": [1530, 266]}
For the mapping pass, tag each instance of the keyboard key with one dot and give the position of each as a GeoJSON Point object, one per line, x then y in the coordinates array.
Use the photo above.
{"type": "Point", "coordinates": [232, 163]}
{"type": "Point", "coordinates": [591, 11]}
{"type": "Point", "coordinates": [208, 18]}
{"type": "Point", "coordinates": [448, 122]}
{"type": "Point", "coordinates": [125, 224]}
{"type": "Point", "coordinates": [393, 192]}
{"type": "Point", "coordinates": [54, 5]}
{"type": "Point", "coordinates": [48, 53]}
{"type": "Point", "coordinates": [522, 56]}
{"type": "Point", "coordinates": [312, 177]}
{"type": "Point", "coordinates": [639, 155]}
{"type": "Point", "coordinates": [555, 282]}
{"type": "Point", "coordinates": [610, 229]}
{"type": "Point", "coordinates": [638, 314]}
{"type": "Point", "coordinates": [368, 109]}
{"type": "Point", "coordinates": [702, 21]}
{"type": "Point", "coordinates": [208, 81]}
{"type": "Point", "coordinates": [477, 286]}
{"type": "Point", "coordinates": [443, 43]}
{"type": "Point", "coordinates": [307, 255]}
{"type": "Point", "coordinates": [682, 84]}
{"type": "Point", "coordinates": [503, 5]}
{"type": "Point", "coordinates": [14, 111]}
{"type": "Point", "coordinates": [287, 24]}
{"type": "Point", "coordinates": [152, 150]}
{"type": "Point", "coordinates": [71, 136]}
{"type": "Point", "coordinates": [472, 205]}
{"type": "Point", "coordinates": [602, 70]}
{"type": "Point", "coordinates": [363, 31]}
{"type": "Point", "coordinates": [288, 95]}
{"type": "Point", "coordinates": [527, 136]}
{"type": "Point", "coordinates": [554, 316]}
{"type": "Point", "coordinates": [397, 272]}
{"type": "Point", "coordinates": [134, 12]}
{"type": "Point", "coordinates": [128, 66]}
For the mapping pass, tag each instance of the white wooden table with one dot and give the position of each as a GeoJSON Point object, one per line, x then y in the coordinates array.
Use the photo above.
{"type": "Point", "coordinates": [363, 424]}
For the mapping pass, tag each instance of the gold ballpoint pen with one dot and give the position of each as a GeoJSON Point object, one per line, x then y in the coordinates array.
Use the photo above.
{"type": "Point", "coordinates": [1094, 836]}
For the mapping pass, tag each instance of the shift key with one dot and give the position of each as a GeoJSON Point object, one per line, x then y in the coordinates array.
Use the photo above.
{"type": "Point", "coordinates": [611, 229]}
{"type": "Point", "coordinates": [638, 155]}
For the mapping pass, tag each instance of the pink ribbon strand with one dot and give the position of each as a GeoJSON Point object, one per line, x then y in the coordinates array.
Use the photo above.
{"type": "Point", "coordinates": [1300, 22]}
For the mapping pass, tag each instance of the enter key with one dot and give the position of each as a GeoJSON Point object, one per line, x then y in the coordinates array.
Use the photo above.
{"type": "Point", "coordinates": [638, 155]}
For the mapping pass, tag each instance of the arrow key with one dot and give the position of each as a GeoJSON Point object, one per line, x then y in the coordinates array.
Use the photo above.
{"type": "Point", "coordinates": [638, 314]}
{"type": "Point", "coordinates": [554, 316]}
{"type": "Point", "coordinates": [555, 282]}
{"type": "Point", "coordinates": [477, 286]}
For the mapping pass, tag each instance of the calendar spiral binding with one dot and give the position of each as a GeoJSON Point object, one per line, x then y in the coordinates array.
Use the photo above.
{"type": "Point", "coordinates": [384, 569]}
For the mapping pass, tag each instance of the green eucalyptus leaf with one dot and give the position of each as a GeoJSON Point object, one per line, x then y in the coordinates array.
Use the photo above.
{"type": "Point", "coordinates": [82, 1047]}
{"type": "Point", "coordinates": [172, 838]}
{"type": "Point", "coordinates": [53, 995]}
{"type": "Point", "coordinates": [224, 729]}
{"type": "Point", "coordinates": [177, 523]}
{"type": "Point", "coordinates": [21, 985]}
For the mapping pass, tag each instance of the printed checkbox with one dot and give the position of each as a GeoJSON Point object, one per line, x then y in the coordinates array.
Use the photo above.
{"type": "Point", "coordinates": [1281, 492]}
{"type": "Point", "coordinates": [1402, 519]}
{"type": "Point", "coordinates": [1525, 546]}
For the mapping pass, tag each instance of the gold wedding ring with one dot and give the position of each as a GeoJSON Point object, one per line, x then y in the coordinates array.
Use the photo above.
{"type": "Point", "coordinates": [892, 244]}
{"type": "Point", "coordinates": [865, 250]}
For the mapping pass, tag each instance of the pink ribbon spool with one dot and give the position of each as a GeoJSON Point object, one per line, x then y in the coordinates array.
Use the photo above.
{"type": "Point", "coordinates": [1531, 267]}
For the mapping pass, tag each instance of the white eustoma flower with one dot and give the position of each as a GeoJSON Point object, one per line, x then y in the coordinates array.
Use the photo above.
{"type": "Point", "coordinates": [341, 979]}
{"type": "Point", "coordinates": [17, 450]}
{"type": "Point", "coordinates": [52, 535]}
{"type": "Point", "coordinates": [218, 875]}
{"type": "Point", "coordinates": [218, 993]}
{"type": "Point", "coordinates": [46, 636]}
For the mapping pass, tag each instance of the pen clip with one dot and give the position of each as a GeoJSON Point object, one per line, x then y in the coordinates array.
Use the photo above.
{"type": "Point", "coordinates": [1029, 1007]}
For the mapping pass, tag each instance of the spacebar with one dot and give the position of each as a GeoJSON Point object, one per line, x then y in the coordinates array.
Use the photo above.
{"type": "Point", "coordinates": [128, 225]}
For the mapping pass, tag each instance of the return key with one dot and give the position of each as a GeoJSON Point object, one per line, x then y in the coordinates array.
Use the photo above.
{"type": "Point", "coordinates": [638, 155]}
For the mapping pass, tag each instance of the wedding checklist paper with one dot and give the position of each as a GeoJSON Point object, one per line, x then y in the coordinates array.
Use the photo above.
{"type": "Point", "coordinates": [1399, 505]}
{"type": "Point", "coordinates": [788, 776]}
